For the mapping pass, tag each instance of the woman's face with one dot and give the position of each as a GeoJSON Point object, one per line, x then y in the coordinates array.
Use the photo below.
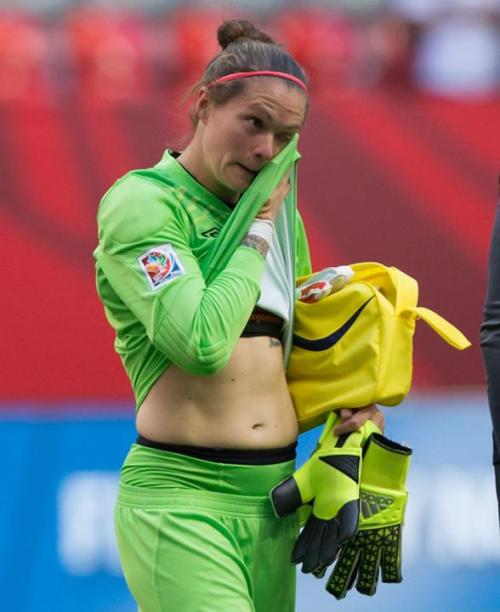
{"type": "Point", "coordinates": [241, 136]}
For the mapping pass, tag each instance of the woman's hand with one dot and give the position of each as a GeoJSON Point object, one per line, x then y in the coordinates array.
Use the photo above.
{"type": "Point", "coordinates": [272, 206]}
{"type": "Point", "coordinates": [351, 419]}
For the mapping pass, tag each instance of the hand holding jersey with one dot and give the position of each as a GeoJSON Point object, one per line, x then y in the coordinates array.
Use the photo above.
{"type": "Point", "coordinates": [260, 233]}
{"type": "Point", "coordinates": [272, 206]}
{"type": "Point", "coordinates": [329, 480]}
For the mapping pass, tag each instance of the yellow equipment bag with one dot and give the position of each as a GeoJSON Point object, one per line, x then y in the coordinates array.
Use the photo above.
{"type": "Point", "coordinates": [354, 347]}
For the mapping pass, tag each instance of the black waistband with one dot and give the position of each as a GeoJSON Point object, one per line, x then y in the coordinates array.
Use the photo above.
{"type": "Point", "coordinates": [263, 323]}
{"type": "Point", "coordinates": [258, 314]}
{"type": "Point", "coordinates": [262, 328]}
{"type": "Point", "coordinates": [245, 456]}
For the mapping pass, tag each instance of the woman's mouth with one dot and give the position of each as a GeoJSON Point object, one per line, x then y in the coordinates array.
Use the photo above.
{"type": "Point", "coordinates": [248, 171]}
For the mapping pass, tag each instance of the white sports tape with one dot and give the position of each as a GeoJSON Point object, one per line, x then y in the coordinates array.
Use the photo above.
{"type": "Point", "coordinates": [264, 228]}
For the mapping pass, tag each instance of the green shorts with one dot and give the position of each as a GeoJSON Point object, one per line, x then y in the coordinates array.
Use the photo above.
{"type": "Point", "coordinates": [201, 536]}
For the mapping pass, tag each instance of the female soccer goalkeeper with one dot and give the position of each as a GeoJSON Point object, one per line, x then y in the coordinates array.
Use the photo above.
{"type": "Point", "coordinates": [217, 428]}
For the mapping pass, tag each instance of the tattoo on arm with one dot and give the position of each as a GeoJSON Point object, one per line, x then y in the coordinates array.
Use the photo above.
{"type": "Point", "coordinates": [257, 243]}
{"type": "Point", "coordinates": [274, 342]}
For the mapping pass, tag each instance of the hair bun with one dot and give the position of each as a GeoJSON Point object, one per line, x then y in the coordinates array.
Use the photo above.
{"type": "Point", "coordinates": [234, 30]}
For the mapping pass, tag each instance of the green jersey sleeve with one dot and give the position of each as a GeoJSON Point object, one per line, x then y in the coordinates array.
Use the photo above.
{"type": "Point", "coordinates": [148, 256]}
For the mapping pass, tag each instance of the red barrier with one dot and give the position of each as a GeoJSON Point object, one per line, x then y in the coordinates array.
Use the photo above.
{"type": "Point", "coordinates": [400, 177]}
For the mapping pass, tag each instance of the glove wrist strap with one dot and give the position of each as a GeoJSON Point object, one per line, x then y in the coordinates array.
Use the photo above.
{"type": "Point", "coordinates": [385, 463]}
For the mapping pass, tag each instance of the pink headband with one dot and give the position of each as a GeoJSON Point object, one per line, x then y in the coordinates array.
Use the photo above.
{"type": "Point", "coordinates": [242, 75]}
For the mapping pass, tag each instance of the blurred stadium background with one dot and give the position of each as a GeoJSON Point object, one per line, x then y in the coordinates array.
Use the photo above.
{"type": "Point", "coordinates": [400, 162]}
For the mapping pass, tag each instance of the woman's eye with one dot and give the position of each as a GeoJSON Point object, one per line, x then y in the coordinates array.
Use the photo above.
{"type": "Point", "coordinates": [256, 122]}
{"type": "Point", "coordinates": [284, 138]}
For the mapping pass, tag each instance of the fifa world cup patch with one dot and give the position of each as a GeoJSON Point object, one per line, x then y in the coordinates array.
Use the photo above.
{"type": "Point", "coordinates": [161, 265]}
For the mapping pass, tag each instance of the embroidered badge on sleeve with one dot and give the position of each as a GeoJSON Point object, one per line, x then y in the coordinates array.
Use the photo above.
{"type": "Point", "coordinates": [161, 265]}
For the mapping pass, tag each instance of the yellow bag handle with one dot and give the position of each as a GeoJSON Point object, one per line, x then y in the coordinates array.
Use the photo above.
{"type": "Point", "coordinates": [402, 291]}
{"type": "Point", "coordinates": [441, 326]}
{"type": "Point", "coordinates": [407, 296]}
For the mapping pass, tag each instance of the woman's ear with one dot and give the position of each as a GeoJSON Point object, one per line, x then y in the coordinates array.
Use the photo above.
{"type": "Point", "coordinates": [203, 105]}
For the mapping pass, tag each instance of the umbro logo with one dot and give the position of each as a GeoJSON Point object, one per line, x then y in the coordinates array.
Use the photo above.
{"type": "Point", "coordinates": [323, 344]}
{"type": "Point", "coordinates": [211, 233]}
{"type": "Point", "coordinates": [373, 504]}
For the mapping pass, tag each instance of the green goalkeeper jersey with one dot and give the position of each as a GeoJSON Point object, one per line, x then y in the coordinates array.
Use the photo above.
{"type": "Point", "coordinates": [155, 227]}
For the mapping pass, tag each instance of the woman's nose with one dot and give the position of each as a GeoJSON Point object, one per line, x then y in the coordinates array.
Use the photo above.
{"type": "Point", "coordinates": [264, 149]}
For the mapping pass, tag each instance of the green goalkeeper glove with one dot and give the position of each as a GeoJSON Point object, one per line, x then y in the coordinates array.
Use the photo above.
{"type": "Point", "coordinates": [329, 480]}
{"type": "Point", "coordinates": [377, 545]}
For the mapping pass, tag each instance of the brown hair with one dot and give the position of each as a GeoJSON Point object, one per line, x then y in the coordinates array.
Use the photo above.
{"type": "Point", "coordinates": [244, 49]}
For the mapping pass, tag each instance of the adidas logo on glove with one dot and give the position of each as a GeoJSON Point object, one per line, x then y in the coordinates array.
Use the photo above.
{"type": "Point", "coordinates": [373, 504]}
